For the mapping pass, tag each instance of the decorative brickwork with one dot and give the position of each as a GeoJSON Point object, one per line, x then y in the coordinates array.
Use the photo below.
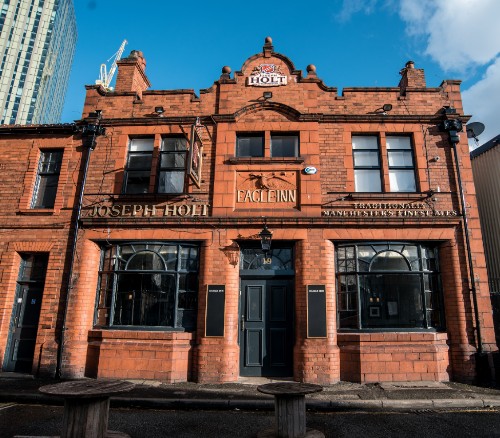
{"type": "Point", "coordinates": [107, 323]}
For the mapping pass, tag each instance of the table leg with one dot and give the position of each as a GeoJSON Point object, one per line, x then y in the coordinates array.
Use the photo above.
{"type": "Point", "coordinates": [290, 416]}
{"type": "Point", "coordinates": [85, 418]}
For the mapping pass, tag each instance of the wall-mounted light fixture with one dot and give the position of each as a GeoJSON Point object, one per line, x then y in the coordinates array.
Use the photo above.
{"type": "Point", "coordinates": [267, 95]}
{"type": "Point", "coordinates": [384, 109]}
{"type": "Point", "coordinates": [265, 241]}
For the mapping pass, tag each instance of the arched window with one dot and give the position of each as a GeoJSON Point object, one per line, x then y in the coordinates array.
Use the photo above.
{"type": "Point", "coordinates": [149, 285]}
{"type": "Point", "coordinates": [388, 286]}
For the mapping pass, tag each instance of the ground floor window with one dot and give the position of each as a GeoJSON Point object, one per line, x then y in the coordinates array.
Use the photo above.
{"type": "Point", "coordinates": [388, 286]}
{"type": "Point", "coordinates": [148, 285]}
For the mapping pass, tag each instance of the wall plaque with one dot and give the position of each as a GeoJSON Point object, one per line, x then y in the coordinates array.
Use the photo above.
{"type": "Point", "coordinates": [256, 189]}
{"type": "Point", "coordinates": [216, 304]}
{"type": "Point", "coordinates": [267, 75]}
{"type": "Point", "coordinates": [316, 311]}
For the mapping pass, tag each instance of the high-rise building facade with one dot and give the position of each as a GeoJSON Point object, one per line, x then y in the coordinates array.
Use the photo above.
{"type": "Point", "coordinates": [37, 44]}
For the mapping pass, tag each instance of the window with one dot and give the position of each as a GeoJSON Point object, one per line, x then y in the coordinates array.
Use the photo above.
{"type": "Point", "coordinates": [401, 166]}
{"type": "Point", "coordinates": [250, 145]}
{"type": "Point", "coordinates": [172, 165]}
{"type": "Point", "coordinates": [388, 286]}
{"type": "Point", "coordinates": [49, 167]}
{"type": "Point", "coordinates": [141, 161]}
{"type": "Point", "coordinates": [365, 151]}
{"type": "Point", "coordinates": [284, 145]}
{"type": "Point", "coordinates": [138, 170]}
{"type": "Point", "coordinates": [148, 285]}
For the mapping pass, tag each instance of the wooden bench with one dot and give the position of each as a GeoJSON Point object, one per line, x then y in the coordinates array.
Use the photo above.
{"type": "Point", "coordinates": [290, 410]}
{"type": "Point", "coordinates": [86, 406]}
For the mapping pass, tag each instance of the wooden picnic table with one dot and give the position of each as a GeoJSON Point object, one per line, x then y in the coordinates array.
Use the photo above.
{"type": "Point", "coordinates": [86, 406]}
{"type": "Point", "coordinates": [290, 409]}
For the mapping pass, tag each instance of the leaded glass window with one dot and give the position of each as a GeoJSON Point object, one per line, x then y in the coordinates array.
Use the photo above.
{"type": "Point", "coordinates": [148, 285]}
{"type": "Point", "coordinates": [388, 286]}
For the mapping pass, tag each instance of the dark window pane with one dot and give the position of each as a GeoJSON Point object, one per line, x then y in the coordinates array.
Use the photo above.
{"type": "Point", "coordinates": [284, 146]}
{"type": "Point", "coordinates": [137, 182]}
{"type": "Point", "coordinates": [250, 146]}
{"type": "Point", "coordinates": [172, 144]}
{"type": "Point", "coordinates": [141, 162]}
{"type": "Point", "coordinates": [45, 192]}
{"type": "Point", "coordinates": [145, 260]}
{"type": "Point", "coordinates": [145, 299]}
{"type": "Point", "coordinates": [173, 160]}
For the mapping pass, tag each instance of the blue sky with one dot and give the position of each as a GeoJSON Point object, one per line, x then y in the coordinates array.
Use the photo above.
{"type": "Point", "coordinates": [351, 42]}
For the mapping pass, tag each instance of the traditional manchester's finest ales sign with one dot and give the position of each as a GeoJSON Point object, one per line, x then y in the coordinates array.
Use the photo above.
{"type": "Point", "coordinates": [255, 189]}
{"type": "Point", "coordinates": [389, 210]}
{"type": "Point", "coordinates": [267, 75]}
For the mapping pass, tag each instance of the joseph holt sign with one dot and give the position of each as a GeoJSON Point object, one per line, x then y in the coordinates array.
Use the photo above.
{"type": "Point", "coordinates": [267, 75]}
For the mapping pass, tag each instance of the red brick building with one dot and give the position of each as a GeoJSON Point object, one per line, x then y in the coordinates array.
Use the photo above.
{"type": "Point", "coordinates": [169, 195]}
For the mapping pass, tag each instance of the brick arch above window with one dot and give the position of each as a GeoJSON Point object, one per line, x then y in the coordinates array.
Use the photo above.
{"type": "Point", "coordinates": [32, 246]}
{"type": "Point", "coordinates": [288, 112]}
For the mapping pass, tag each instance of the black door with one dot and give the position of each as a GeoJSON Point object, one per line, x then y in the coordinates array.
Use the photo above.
{"type": "Point", "coordinates": [26, 312]}
{"type": "Point", "coordinates": [266, 328]}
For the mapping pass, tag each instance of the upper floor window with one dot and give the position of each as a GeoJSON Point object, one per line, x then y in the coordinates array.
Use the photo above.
{"type": "Point", "coordinates": [284, 145]}
{"type": "Point", "coordinates": [139, 162]}
{"type": "Point", "coordinates": [250, 145]}
{"type": "Point", "coordinates": [256, 145]}
{"type": "Point", "coordinates": [365, 151]}
{"type": "Point", "coordinates": [47, 179]}
{"type": "Point", "coordinates": [171, 165]}
{"type": "Point", "coordinates": [369, 168]}
{"type": "Point", "coordinates": [401, 166]}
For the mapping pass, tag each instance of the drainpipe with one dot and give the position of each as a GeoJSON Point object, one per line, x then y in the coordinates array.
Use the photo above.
{"type": "Point", "coordinates": [90, 132]}
{"type": "Point", "coordinates": [453, 127]}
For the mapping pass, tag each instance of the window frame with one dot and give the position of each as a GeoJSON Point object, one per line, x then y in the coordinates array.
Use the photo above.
{"type": "Point", "coordinates": [429, 274]}
{"type": "Point", "coordinates": [411, 152]}
{"type": "Point", "coordinates": [128, 170]}
{"type": "Point", "coordinates": [362, 168]}
{"type": "Point", "coordinates": [283, 135]}
{"type": "Point", "coordinates": [172, 169]}
{"type": "Point", "coordinates": [247, 135]}
{"type": "Point", "coordinates": [267, 144]}
{"type": "Point", "coordinates": [38, 195]}
{"type": "Point", "coordinates": [107, 292]}
{"type": "Point", "coordinates": [156, 170]}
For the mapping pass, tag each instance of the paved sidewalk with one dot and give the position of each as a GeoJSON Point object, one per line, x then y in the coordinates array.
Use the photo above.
{"type": "Point", "coordinates": [18, 388]}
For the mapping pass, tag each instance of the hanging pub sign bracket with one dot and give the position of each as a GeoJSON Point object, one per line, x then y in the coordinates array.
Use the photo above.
{"type": "Point", "coordinates": [195, 153]}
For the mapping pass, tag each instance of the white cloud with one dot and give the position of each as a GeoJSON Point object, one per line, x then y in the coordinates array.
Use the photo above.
{"type": "Point", "coordinates": [351, 7]}
{"type": "Point", "coordinates": [463, 34]}
{"type": "Point", "coordinates": [460, 33]}
{"type": "Point", "coordinates": [482, 101]}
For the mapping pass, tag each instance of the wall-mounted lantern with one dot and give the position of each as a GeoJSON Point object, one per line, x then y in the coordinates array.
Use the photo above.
{"type": "Point", "coordinates": [265, 242]}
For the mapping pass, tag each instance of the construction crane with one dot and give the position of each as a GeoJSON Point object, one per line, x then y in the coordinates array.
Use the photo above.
{"type": "Point", "coordinates": [105, 77]}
